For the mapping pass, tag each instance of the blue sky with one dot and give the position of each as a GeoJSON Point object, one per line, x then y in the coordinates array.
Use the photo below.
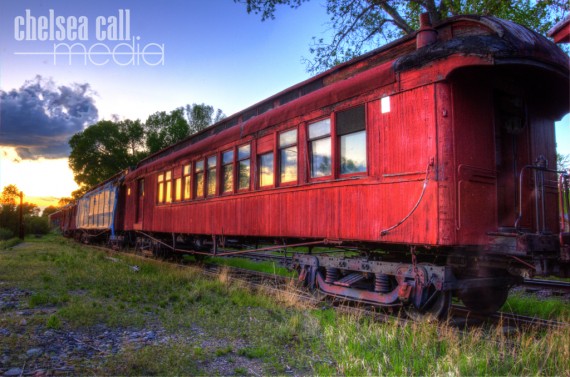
{"type": "Point", "coordinates": [214, 53]}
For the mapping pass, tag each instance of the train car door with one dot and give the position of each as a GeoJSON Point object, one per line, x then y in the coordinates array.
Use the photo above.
{"type": "Point", "coordinates": [512, 154]}
{"type": "Point", "coordinates": [140, 201]}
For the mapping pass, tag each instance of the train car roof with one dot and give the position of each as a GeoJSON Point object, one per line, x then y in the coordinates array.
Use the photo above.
{"type": "Point", "coordinates": [503, 41]}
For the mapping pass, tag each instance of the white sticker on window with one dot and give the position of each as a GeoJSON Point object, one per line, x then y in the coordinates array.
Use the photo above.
{"type": "Point", "coordinates": [385, 104]}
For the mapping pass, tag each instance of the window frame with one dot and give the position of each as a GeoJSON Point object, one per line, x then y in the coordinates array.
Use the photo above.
{"type": "Point", "coordinates": [164, 189]}
{"type": "Point", "coordinates": [210, 174]}
{"type": "Point", "coordinates": [177, 196]}
{"type": "Point", "coordinates": [310, 141]}
{"type": "Point", "coordinates": [339, 144]}
{"type": "Point", "coordinates": [168, 187]}
{"type": "Point", "coordinates": [223, 168]}
{"type": "Point", "coordinates": [280, 149]}
{"type": "Point", "coordinates": [187, 181]}
{"type": "Point", "coordinates": [259, 165]}
{"type": "Point", "coordinates": [160, 188]}
{"type": "Point", "coordinates": [196, 173]}
{"type": "Point", "coordinates": [238, 166]}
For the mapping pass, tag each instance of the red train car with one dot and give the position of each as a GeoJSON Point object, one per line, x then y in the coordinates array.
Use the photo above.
{"type": "Point", "coordinates": [437, 152]}
{"type": "Point", "coordinates": [64, 220]}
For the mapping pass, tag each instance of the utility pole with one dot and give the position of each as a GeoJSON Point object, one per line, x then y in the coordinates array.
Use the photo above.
{"type": "Point", "coordinates": [21, 222]}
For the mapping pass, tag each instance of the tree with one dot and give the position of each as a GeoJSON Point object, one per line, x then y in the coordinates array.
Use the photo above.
{"type": "Point", "coordinates": [62, 202]}
{"type": "Point", "coordinates": [10, 195]}
{"type": "Point", "coordinates": [202, 116]}
{"type": "Point", "coordinates": [10, 208]}
{"type": "Point", "coordinates": [361, 25]}
{"type": "Point", "coordinates": [109, 146]}
{"type": "Point", "coordinates": [105, 148]}
{"type": "Point", "coordinates": [49, 210]}
{"type": "Point", "coordinates": [164, 129]}
{"type": "Point", "coordinates": [562, 162]}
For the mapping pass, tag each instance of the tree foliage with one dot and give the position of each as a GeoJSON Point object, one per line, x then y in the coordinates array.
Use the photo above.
{"type": "Point", "coordinates": [164, 129]}
{"type": "Point", "coordinates": [202, 116]}
{"type": "Point", "coordinates": [49, 210]}
{"type": "Point", "coordinates": [361, 25]}
{"type": "Point", "coordinates": [10, 214]}
{"type": "Point", "coordinates": [109, 146]}
{"type": "Point", "coordinates": [562, 162]}
{"type": "Point", "coordinates": [103, 149]}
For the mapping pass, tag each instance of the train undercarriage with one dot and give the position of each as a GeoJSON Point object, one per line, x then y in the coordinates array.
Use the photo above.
{"type": "Point", "coordinates": [421, 281]}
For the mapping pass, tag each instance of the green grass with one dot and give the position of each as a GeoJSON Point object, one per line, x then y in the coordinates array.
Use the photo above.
{"type": "Point", "coordinates": [207, 320]}
{"type": "Point", "coordinates": [529, 305]}
{"type": "Point", "coordinates": [8, 244]}
{"type": "Point", "coordinates": [362, 347]}
{"type": "Point", "coordinates": [266, 266]}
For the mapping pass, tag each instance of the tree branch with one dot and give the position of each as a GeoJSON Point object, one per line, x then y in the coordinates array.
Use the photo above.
{"type": "Point", "coordinates": [392, 12]}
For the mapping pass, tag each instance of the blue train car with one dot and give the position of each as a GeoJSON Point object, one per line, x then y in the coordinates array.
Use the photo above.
{"type": "Point", "coordinates": [97, 210]}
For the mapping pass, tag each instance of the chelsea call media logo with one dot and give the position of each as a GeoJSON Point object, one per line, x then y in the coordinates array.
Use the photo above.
{"type": "Point", "coordinates": [99, 41]}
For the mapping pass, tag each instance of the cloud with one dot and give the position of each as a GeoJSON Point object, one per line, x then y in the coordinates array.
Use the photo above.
{"type": "Point", "coordinates": [39, 118]}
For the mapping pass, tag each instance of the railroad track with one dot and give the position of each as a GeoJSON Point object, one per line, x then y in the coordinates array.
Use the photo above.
{"type": "Point", "coordinates": [280, 285]}
{"type": "Point", "coordinates": [533, 285]}
{"type": "Point", "coordinates": [459, 315]}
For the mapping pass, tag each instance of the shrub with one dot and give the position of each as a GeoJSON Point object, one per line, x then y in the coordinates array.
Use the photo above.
{"type": "Point", "coordinates": [5, 234]}
{"type": "Point", "coordinates": [36, 225]}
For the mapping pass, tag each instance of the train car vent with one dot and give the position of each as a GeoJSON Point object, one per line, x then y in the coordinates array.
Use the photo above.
{"type": "Point", "coordinates": [264, 107]}
{"type": "Point", "coordinates": [248, 115]}
{"type": "Point", "coordinates": [311, 87]}
{"type": "Point", "coordinates": [288, 97]}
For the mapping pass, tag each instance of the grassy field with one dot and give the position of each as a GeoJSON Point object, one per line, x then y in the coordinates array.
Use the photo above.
{"type": "Point", "coordinates": [76, 310]}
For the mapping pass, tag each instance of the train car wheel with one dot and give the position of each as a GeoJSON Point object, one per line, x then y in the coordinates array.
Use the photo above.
{"type": "Point", "coordinates": [484, 300]}
{"type": "Point", "coordinates": [436, 308]}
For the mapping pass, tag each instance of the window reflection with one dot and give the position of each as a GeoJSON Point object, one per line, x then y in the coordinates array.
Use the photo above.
{"type": "Point", "coordinates": [321, 157]}
{"type": "Point", "coordinates": [351, 131]}
{"type": "Point", "coordinates": [178, 189]}
{"type": "Point", "coordinates": [320, 148]}
{"type": "Point", "coordinates": [228, 171]}
{"type": "Point", "coordinates": [266, 169]}
{"type": "Point", "coordinates": [244, 163]}
{"type": "Point", "coordinates": [353, 153]}
{"type": "Point", "coordinates": [211, 175]}
{"type": "Point", "coordinates": [288, 156]}
{"type": "Point", "coordinates": [168, 189]}
{"type": "Point", "coordinates": [199, 179]}
{"type": "Point", "coordinates": [187, 183]}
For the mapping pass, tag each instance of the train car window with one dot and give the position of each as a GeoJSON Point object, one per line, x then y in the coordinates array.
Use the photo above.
{"type": "Point", "coordinates": [244, 162]}
{"type": "Point", "coordinates": [351, 131]}
{"type": "Point", "coordinates": [320, 148]}
{"type": "Point", "coordinates": [160, 191]}
{"type": "Point", "coordinates": [168, 187]}
{"type": "Point", "coordinates": [187, 182]}
{"type": "Point", "coordinates": [178, 189]}
{"type": "Point", "coordinates": [199, 179]}
{"type": "Point", "coordinates": [288, 156]}
{"type": "Point", "coordinates": [228, 171]}
{"type": "Point", "coordinates": [266, 169]}
{"type": "Point", "coordinates": [211, 180]}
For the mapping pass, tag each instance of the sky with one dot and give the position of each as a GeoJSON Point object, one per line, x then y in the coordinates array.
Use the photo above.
{"type": "Point", "coordinates": [189, 51]}
{"type": "Point", "coordinates": [210, 52]}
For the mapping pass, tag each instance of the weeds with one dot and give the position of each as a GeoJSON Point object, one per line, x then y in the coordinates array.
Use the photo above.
{"type": "Point", "coordinates": [549, 308]}
{"type": "Point", "coordinates": [210, 319]}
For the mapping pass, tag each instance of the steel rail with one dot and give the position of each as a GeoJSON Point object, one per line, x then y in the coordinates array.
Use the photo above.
{"type": "Point", "coordinates": [555, 285]}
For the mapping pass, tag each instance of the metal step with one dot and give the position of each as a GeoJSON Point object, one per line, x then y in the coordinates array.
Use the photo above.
{"type": "Point", "coordinates": [349, 280]}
